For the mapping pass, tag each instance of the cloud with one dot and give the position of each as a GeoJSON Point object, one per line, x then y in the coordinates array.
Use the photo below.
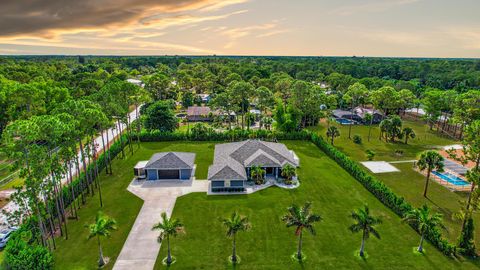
{"type": "Point", "coordinates": [163, 22]}
{"type": "Point", "coordinates": [261, 30]}
{"type": "Point", "coordinates": [368, 7]}
{"type": "Point", "coordinates": [467, 37]}
{"type": "Point", "coordinates": [48, 18]}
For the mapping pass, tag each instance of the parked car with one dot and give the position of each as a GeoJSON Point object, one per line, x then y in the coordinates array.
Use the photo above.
{"type": "Point", "coordinates": [5, 236]}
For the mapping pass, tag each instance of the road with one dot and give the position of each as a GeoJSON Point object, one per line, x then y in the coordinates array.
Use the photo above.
{"type": "Point", "coordinates": [11, 206]}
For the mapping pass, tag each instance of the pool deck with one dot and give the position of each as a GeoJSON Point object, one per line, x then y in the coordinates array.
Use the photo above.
{"type": "Point", "coordinates": [450, 186]}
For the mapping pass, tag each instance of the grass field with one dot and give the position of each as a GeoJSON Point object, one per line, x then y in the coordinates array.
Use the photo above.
{"type": "Point", "coordinates": [77, 252]}
{"type": "Point", "coordinates": [425, 140]}
{"type": "Point", "coordinates": [407, 183]}
{"type": "Point", "coordinates": [269, 244]}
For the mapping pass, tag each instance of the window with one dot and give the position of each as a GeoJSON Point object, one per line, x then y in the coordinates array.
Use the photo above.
{"type": "Point", "coordinates": [236, 183]}
{"type": "Point", "coordinates": [218, 183]}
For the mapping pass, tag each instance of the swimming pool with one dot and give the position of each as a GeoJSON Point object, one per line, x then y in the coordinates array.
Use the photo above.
{"type": "Point", "coordinates": [452, 179]}
{"type": "Point", "coordinates": [344, 121]}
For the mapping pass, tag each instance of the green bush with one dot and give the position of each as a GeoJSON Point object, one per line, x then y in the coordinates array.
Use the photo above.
{"type": "Point", "coordinates": [370, 154]}
{"type": "Point", "coordinates": [357, 139]}
{"type": "Point", "coordinates": [23, 252]}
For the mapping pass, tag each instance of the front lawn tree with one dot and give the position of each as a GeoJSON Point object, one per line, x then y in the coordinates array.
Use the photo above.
{"type": "Point", "coordinates": [234, 224]}
{"type": "Point", "coordinates": [102, 227]}
{"type": "Point", "coordinates": [355, 95]}
{"type": "Point", "coordinates": [408, 133]}
{"type": "Point", "coordinates": [425, 221]}
{"type": "Point", "coordinates": [429, 160]}
{"type": "Point", "coordinates": [365, 223]}
{"type": "Point", "coordinates": [301, 218]}
{"type": "Point", "coordinates": [168, 227]}
{"type": "Point", "coordinates": [332, 133]}
{"type": "Point", "coordinates": [159, 116]}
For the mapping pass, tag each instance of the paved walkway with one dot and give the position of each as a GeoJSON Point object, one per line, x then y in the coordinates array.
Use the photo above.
{"type": "Point", "coordinates": [141, 247]}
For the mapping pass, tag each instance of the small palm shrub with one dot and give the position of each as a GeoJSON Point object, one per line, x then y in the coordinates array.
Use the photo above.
{"type": "Point", "coordinates": [370, 154]}
{"type": "Point", "coordinates": [357, 139]}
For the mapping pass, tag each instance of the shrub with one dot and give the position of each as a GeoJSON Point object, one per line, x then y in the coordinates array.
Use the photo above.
{"type": "Point", "coordinates": [357, 139]}
{"type": "Point", "coordinates": [370, 154]}
{"type": "Point", "coordinates": [23, 252]}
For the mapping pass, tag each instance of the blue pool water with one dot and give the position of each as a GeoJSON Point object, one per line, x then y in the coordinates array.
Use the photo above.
{"type": "Point", "coordinates": [452, 179]}
{"type": "Point", "coordinates": [344, 121]}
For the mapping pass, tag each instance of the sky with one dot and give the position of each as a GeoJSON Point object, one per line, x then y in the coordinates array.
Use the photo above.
{"type": "Point", "coordinates": [396, 28]}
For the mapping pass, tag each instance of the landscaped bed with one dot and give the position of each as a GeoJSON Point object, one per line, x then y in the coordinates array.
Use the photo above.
{"type": "Point", "coordinates": [269, 244]}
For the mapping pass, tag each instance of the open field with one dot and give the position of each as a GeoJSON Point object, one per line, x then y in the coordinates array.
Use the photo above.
{"type": "Point", "coordinates": [407, 183]}
{"type": "Point", "coordinates": [269, 244]}
{"type": "Point", "coordinates": [77, 252]}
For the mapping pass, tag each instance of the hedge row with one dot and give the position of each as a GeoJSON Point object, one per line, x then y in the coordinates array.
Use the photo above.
{"type": "Point", "coordinates": [380, 190]}
{"type": "Point", "coordinates": [231, 135]}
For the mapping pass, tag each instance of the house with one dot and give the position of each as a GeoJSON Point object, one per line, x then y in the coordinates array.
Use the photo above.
{"type": "Point", "coordinates": [362, 112]}
{"type": "Point", "coordinates": [205, 98]}
{"type": "Point", "coordinates": [167, 166]}
{"type": "Point", "coordinates": [346, 115]}
{"type": "Point", "coordinates": [199, 114]}
{"type": "Point", "coordinates": [359, 115]}
{"type": "Point", "coordinates": [232, 163]}
{"type": "Point", "coordinates": [136, 82]}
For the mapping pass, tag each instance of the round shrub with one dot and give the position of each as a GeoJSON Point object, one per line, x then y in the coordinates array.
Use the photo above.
{"type": "Point", "coordinates": [357, 139]}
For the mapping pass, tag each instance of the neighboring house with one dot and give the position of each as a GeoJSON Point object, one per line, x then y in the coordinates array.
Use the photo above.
{"type": "Point", "coordinates": [167, 166]}
{"type": "Point", "coordinates": [346, 115]}
{"type": "Point", "coordinates": [205, 98]}
{"type": "Point", "coordinates": [359, 115]}
{"type": "Point", "coordinates": [136, 82]}
{"type": "Point", "coordinates": [232, 163]}
{"type": "Point", "coordinates": [362, 112]}
{"type": "Point", "coordinates": [199, 114]}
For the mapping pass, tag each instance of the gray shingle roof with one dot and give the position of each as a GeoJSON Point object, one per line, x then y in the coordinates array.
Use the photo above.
{"type": "Point", "coordinates": [231, 159]}
{"type": "Point", "coordinates": [171, 160]}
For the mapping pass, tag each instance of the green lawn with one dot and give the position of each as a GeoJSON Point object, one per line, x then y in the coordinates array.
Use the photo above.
{"type": "Point", "coordinates": [425, 140]}
{"type": "Point", "coordinates": [269, 244]}
{"type": "Point", "coordinates": [77, 252]}
{"type": "Point", "coordinates": [407, 183]}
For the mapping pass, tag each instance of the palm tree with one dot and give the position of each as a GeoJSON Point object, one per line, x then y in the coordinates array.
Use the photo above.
{"type": "Point", "coordinates": [424, 220]}
{"type": "Point", "coordinates": [301, 218]}
{"type": "Point", "coordinates": [257, 174]}
{"type": "Point", "coordinates": [234, 224]}
{"type": "Point", "coordinates": [430, 160]}
{"type": "Point", "coordinates": [101, 228]}
{"type": "Point", "coordinates": [288, 171]}
{"type": "Point", "coordinates": [408, 133]}
{"type": "Point", "coordinates": [369, 120]}
{"type": "Point", "coordinates": [168, 227]}
{"type": "Point", "coordinates": [364, 223]}
{"type": "Point", "coordinates": [332, 133]}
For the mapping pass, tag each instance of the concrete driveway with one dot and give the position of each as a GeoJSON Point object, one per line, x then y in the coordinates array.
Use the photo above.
{"type": "Point", "coordinates": [141, 247]}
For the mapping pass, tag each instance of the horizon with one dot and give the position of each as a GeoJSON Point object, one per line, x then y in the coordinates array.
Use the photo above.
{"type": "Point", "coordinates": [370, 28]}
{"type": "Point", "coordinates": [240, 56]}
